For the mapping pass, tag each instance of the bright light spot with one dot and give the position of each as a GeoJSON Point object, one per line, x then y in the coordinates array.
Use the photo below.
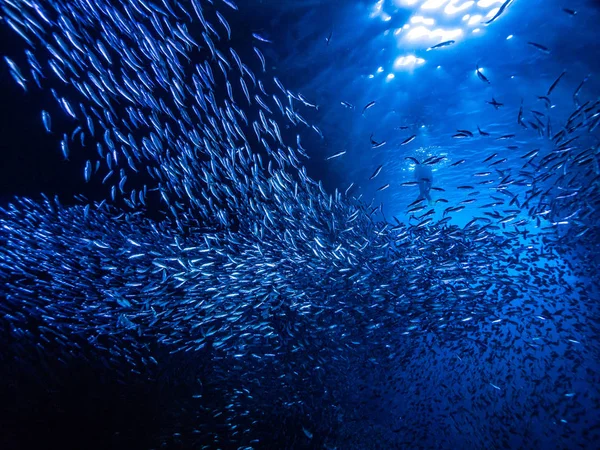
{"type": "Point", "coordinates": [481, 69]}
{"type": "Point", "coordinates": [433, 4]}
{"type": "Point", "coordinates": [492, 13]}
{"type": "Point", "coordinates": [397, 31]}
{"type": "Point", "coordinates": [510, 36]}
{"type": "Point", "coordinates": [486, 3]}
{"type": "Point", "coordinates": [371, 76]}
{"type": "Point", "coordinates": [421, 19]}
{"type": "Point", "coordinates": [386, 17]}
{"type": "Point", "coordinates": [439, 67]}
{"type": "Point", "coordinates": [406, 2]}
{"type": "Point", "coordinates": [476, 30]}
{"type": "Point", "coordinates": [512, 76]}
{"type": "Point", "coordinates": [377, 9]}
{"type": "Point", "coordinates": [438, 33]}
{"type": "Point", "coordinates": [408, 61]}
{"type": "Point", "coordinates": [475, 19]}
{"type": "Point", "coordinates": [390, 76]}
{"type": "Point", "coordinates": [451, 9]}
{"type": "Point", "coordinates": [406, 26]}
{"type": "Point", "coordinates": [379, 70]}
{"type": "Point", "coordinates": [466, 17]}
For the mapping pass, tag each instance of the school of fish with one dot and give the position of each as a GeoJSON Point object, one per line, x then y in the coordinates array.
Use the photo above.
{"type": "Point", "coordinates": [310, 320]}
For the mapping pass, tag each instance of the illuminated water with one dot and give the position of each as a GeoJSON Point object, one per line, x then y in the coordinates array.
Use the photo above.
{"type": "Point", "coordinates": [529, 380]}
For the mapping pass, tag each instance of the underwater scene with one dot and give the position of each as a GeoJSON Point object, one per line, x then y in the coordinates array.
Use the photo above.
{"type": "Point", "coordinates": [300, 224]}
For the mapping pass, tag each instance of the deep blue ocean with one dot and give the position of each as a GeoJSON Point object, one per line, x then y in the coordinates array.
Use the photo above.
{"type": "Point", "coordinates": [300, 224]}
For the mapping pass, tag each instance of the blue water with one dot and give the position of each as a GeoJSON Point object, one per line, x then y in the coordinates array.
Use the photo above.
{"type": "Point", "coordinates": [450, 334]}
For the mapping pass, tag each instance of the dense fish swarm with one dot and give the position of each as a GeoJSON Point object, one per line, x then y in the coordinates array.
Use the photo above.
{"type": "Point", "coordinates": [293, 317]}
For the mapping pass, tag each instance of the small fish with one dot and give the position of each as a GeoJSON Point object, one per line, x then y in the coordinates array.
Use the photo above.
{"type": "Point", "coordinates": [260, 38]}
{"type": "Point", "coordinates": [64, 146]}
{"type": "Point", "coordinates": [47, 121]}
{"type": "Point", "coordinates": [433, 160]}
{"type": "Point", "coordinates": [408, 140]}
{"type": "Point", "coordinates": [481, 132]}
{"type": "Point", "coordinates": [531, 154]}
{"type": "Point", "coordinates": [492, 156]}
{"type": "Point", "coordinates": [374, 143]}
{"type": "Point", "coordinates": [377, 172]}
{"type": "Point", "coordinates": [576, 93]}
{"type": "Point", "coordinates": [328, 39]}
{"type": "Point", "coordinates": [458, 163]}
{"type": "Point", "coordinates": [230, 4]}
{"type": "Point", "coordinates": [570, 12]}
{"type": "Point", "coordinates": [383, 188]}
{"type": "Point", "coordinates": [367, 106]}
{"type": "Point", "coordinates": [261, 57]}
{"type": "Point", "coordinates": [337, 155]}
{"type": "Point", "coordinates": [225, 24]}
{"type": "Point", "coordinates": [551, 88]}
{"type": "Point", "coordinates": [87, 171]}
{"type": "Point", "coordinates": [540, 47]}
{"type": "Point", "coordinates": [348, 105]}
{"type": "Point", "coordinates": [505, 5]}
{"type": "Point", "coordinates": [441, 45]}
{"type": "Point", "coordinates": [495, 103]}
{"type": "Point", "coordinates": [481, 76]}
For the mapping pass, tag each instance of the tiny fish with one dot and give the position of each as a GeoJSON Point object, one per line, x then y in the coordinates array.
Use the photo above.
{"type": "Point", "coordinates": [551, 88]}
{"type": "Point", "coordinates": [260, 38]}
{"type": "Point", "coordinates": [377, 172]}
{"type": "Point", "coordinates": [481, 132]}
{"type": "Point", "coordinates": [481, 76]}
{"type": "Point", "coordinates": [64, 146]}
{"type": "Point", "coordinates": [408, 140]}
{"type": "Point", "coordinates": [47, 121]}
{"type": "Point", "coordinates": [495, 103]}
{"type": "Point", "coordinates": [540, 47]}
{"type": "Point", "coordinates": [441, 45]}
{"type": "Point", "coordinates": [493, 155]}
{"type": "Point", "coordinates": [505, 5]}
{"type": "Point", "coordinates": [367, 106]}
{"type": "Point", "coordinates": [261, 57]}
{"type": "Point", "coordinates": [337, 155]}
{"type": "Point", "coordinates": [230, 4]}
